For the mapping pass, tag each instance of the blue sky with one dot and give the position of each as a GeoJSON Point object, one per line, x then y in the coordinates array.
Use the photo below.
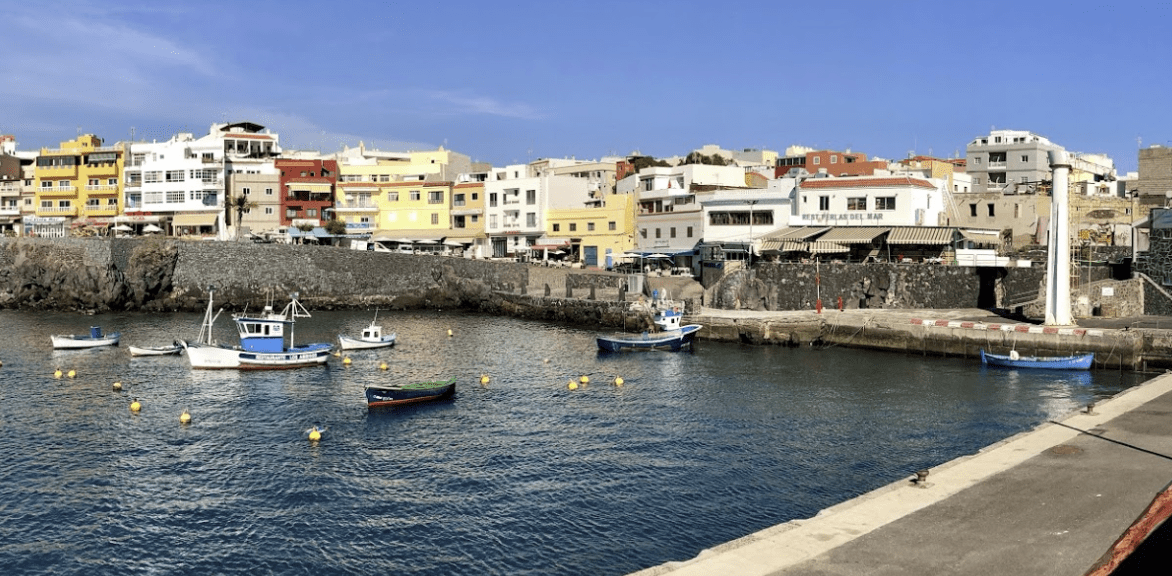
{"type": "Point", "coordinates": [512, 81]}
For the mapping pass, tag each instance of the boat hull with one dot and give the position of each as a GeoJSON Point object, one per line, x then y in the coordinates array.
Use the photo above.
{"type": "Point", "coordinates": [348, 343]}
{"type": "Point", "coordinates": [409, 393]}
{"type": "Point", "coordinates": [155, 350]}
{"type": "Point", "coordinates": [1075, 362]}
{"type": "Point", "coordinates": [71, 342]}
{"type": "Point", "coordinates": [205, 357]}
{"type": "Point", "coordinates": [673, 340]}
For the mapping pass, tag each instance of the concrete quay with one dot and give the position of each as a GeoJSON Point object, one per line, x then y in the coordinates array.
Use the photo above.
{"type": "Point", "coordinates": [1051, 501]}
{"type": "Point", "coordinates": [1128, 343]}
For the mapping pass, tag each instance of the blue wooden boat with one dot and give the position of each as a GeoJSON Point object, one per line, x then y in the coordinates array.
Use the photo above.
{"type": "Point", "coordinates": [1012, 360]}
{"type": "Point", "coordinates": [398, 394]}
{"type": "Point", "coordinates": [266, 342]}
{"type": "Point", "coordinates": [671, 336]}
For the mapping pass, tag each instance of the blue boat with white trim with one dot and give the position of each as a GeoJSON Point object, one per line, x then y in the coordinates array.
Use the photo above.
{"type": "Point", "coordinates": [672, 336]}
{"type": "Point", "coordinates": [1014, 360]}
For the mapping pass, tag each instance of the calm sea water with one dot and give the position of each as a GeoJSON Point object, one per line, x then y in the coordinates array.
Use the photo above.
{"type": "Point", "coordinates": [522, 476]}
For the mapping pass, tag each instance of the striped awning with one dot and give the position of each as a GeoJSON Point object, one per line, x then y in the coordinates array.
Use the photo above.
{"type": "Point", "coordinates": [823, 247]}
{"type": "Point", "coordinates": [854, 234]}
{"type": "Point", "coordinates": [923, 235]}
{"type": "Point", "coordinates": [796, 233]}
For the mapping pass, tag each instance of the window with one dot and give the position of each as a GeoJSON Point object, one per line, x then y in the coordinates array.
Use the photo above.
{"type": "Point", "coordinates": [823, 202]}
{"type": "Point", "coordinates": [63, 184]}
{"type": "Point", "coordinates": [973, 210]}
{"type": "Point", "coordinates": [530, 197]}
{"type": "Point", "coordinates": [384, 177]}
{"type": "Point", "coordinates": [492, 221]}
{"type": "Point", "coordinates": [1025, 157]}
{"type": "Point", "coordinates": [611, 226]}
{"type": "Point", "coordinates": [112, 202]}
{"type": "Point", "coordinates": [92, 203]}
{"type": "Point", "coordinates": [64, 203]}
{"type": "Point", "coordinates": [834, 158]}
{"type": "Point", "coordinates": [573, 226]}
{"type": "Point", "coordinates": [589, 226]}
{"type": "Point", "coordinates": [415, 194]}
{"type": "Point", "coordinates": [976, 180]}
{"type": "Point", "coordinates": [311, 212]}
{"type": "Point", "coordinates": [991, 214]}
{"type": "Point", "coordinates": [856, 203]}
{"type": "Point", "coordinates": [435, 197]}
{"type": "Point", "coordinates": [1017, 210]}
{"type": "Point", "coordinates": [246, 191]}
{"type": "Point", "coordinates": [434, 218]}
{"type": "Point", "coordinates": [817, 160]}
{"type": "Point", "coordinates": [658, 233]}
{"type": "Point", "coordinates": [458, 200]}
{"type": "Point", "coordinates": [885, 203]}
{"type": "Point", "coordinates": [648, 184]}
{"type": "Point", "coordinates": [268, 210]}
{"type": "Point", "coordinates": [93, 182]}
{"type": "Point", "coordinates": [46, 183]}
{"type": "Point", "coordinates": [1025, 179]}
{"type": "Point", "coordinates": [291, 213]}
{"type": "Point", "coordinates": [689, 231]}
{"type": "Point", "coordinates": [557, 227]}
{"type": "Point", "coordinates": [392, 196]}
{"type": "Point", "coordinates": [492, 200]}
{"type": "Point", "coordinates": [111, 182]}
{"type": "Point", "coordinates": [152, 176]}
{"type": "Point", "coordinates": [46, 204]}
{"type": "Point", "coordinates": [672, 232]}
{"type": "Point", "coordinates": [268, 191]}
{"type": "Point", "coordinates": [531, 219]}
{"type": "Point", "coordinates": [176, 175]}
{"type": "Point", "coordinates": [643, 233]}
{"type": "Point", "coordinates": [475, 196]}
{"type": "Point", "coordinates": [175, 196]}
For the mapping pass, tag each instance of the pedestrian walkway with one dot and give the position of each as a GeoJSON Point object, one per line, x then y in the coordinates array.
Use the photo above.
{"type": "Point", "coordinates": [1046, 502]}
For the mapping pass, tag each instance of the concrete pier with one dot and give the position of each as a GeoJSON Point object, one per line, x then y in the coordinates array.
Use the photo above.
{"type": "Point", "coordinates": [1050, 501]}
{"type": "Point", "coordinates": [955, 332]}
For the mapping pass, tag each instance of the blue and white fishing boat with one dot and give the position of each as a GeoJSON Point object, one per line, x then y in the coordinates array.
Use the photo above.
{"type": "Point", "coordinates": [1014, 360]}
{"type": "Point", "coordinates": [263, 344]}
{"type": "Point", "coordinates": [672, 336]}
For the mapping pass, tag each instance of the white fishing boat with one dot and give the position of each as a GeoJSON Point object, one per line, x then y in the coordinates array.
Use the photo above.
{"type": "Point", "coordinates": [263, 344]}
{"type": "Point", "coordinates": [175, 348]}
{"type": "Point", "coordinates": [667, 315]}
{"type": "Point", "coordinates": [372, 337]}
{"type": "Point", "coordinates": [94, 339]}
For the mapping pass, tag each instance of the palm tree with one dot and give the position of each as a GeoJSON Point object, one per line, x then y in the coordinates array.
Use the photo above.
{"type": "Point", "coordinates": [241, 205]}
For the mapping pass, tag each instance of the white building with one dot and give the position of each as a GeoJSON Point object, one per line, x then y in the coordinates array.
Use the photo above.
{"type": "Point", "coordinates": [181, 183]}
{"type": "Point", "coordinates": [870, 201]}
{"type": "Point", "coordinates": [516, 201]}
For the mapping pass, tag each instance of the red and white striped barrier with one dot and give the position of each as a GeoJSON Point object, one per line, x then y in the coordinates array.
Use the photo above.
{"type": "Point", "coordinates": [1027, 328]}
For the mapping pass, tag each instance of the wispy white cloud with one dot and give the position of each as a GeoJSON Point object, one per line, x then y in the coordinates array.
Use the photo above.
{"type": "Point", "coordinates": [459, 103]}
{"type": "Point", "coordinates": [301, 133]}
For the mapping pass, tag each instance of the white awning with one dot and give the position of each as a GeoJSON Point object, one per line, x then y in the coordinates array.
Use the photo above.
{"type": "Point", "coordinates": [206, 219]}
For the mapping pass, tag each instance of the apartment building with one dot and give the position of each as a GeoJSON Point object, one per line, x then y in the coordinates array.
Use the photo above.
{"type": "Point", "coordinates": [306, 192]}
{"type": "Point", "coordinates": [516, 203]}
{"type": "Point", "coordinates": [77, 184]}
{"type": "Point", "coordinates": [1008, 161]}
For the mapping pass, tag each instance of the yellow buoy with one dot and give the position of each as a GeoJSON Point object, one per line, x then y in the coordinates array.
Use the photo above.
{"type": "Point", "coordinates": [618, 380]}
{"type": "Point", "coordinates": [572, 385]}
{"type": "Point", "coordinates": [584, 380]}
{"type": "Point", "coordinates": [315, 433]}
{"type": "Point", "coordinates": [382, 365]}
{"type": "Point", "coordinates": [73, 373]}
{"type": "Point", "coordinates": [449, 332]}
{"type": "Point", "coordinates": [117, 386]}
{"type": "Point", "coordinates": [545, 360]}
{"type": "Point", "coordinates": [337, 354]}
{"type": "Point", "coordinates": [346, 360]}
{"type": "Point", "coordinates": [135, 406]}
{"type": "Point", "coordinates": [483, 379]}
{"type": "Point", "coordinates": [185, 418]}
{"type": "Point", "coordinates": [57, 373]}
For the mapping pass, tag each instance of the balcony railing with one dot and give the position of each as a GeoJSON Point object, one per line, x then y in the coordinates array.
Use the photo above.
{"type": "Point", "coordinates": [101, 211]}
{"type": "Point", "coordinates": [101, 188]}
{"type": "Point", "coordinates": [57, 211]}
{"type": "Point", "coordinates": [57, 191]}
{"type": "Point", "coordinates": [998, 164]}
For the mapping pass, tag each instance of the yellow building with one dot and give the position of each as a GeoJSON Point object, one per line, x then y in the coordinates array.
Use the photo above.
{"type": "Point", "coordinates": [596, 235]}
{"type": "Point", "coordinates": [468, 218]}
{"type": "Point", "coordinates": [81, 181]}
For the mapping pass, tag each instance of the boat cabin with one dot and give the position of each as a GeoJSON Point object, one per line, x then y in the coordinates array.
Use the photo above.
{"type": "Point", "coordinates": [264, 334]}
{"type": "Point", "coordinates": [372, 333]}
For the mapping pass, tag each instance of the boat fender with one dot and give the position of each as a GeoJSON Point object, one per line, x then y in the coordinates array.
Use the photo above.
{"type": "Point", "coordinates": [1013, 355]}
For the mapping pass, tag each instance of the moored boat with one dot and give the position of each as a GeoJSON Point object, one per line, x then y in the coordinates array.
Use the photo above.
{"type": "Point", "coordinates": [372, 337]}
{"type": "Point", "coordinates": [175, 348]}
{"type": "Point", "coordinates": [395, 395]}
{"type": "Point", "coordinates": [1014, 360]}
{"type": "Point", "coordinates": [671, 336]}
{"type": "Point", "coordinates": [94, 339]}
{"type": "Point", "coordinates": [262, 342]}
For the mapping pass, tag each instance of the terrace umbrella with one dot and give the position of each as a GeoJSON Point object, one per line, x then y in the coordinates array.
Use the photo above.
{"type": "Point", "coordinates": [151, 228]}
{"type": "Point", "coordinates": [123, 228]}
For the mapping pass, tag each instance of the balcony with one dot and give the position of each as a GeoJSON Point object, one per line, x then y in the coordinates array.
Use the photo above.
{"type": "Point", "coordinates": [101, 211]}
{"type": "Point", "coordinates": [997, 164]}
{"type": "Point", "coordinates": [356, 208]}
{"type": "Point", "coordinates": [102, 188]}
{"type": "Point", "coordinates": [57, 191]}
{"type": "Point", "coordinates": [57, 211]}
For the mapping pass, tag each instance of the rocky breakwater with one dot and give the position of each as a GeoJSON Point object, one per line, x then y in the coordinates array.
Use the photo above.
{"type": "Point", "coordinates": [85, 275]}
